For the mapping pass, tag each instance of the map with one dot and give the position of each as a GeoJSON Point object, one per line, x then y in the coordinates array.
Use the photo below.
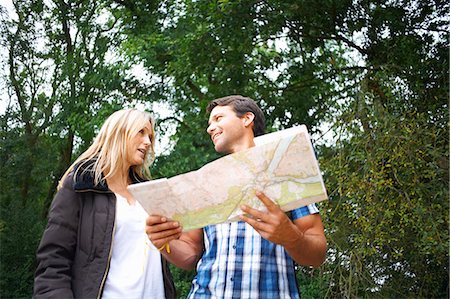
{"type": "Point", "coordinates": [282, 165]}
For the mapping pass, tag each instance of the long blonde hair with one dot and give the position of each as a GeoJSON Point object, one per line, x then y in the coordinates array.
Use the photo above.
{"type": "Point", "coordinates": [109, 149]}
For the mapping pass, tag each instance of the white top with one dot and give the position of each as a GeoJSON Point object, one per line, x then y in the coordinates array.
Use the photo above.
{"type": "Point", "coordinates": [135, 269]}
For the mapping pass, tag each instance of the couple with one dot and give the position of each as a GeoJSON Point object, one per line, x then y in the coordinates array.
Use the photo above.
{"type": "Point", "coordinates": [95, 245]}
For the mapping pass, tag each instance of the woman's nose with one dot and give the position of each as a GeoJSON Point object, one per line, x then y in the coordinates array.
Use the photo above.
{"type": "Point", "coordinates": [147, 140]}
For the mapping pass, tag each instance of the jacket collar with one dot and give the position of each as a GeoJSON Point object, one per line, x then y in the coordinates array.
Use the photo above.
{"type": "Point", "coordinates": [84, 178]}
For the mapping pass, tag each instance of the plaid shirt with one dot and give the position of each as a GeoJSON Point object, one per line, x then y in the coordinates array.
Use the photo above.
{"type": "Point", "coordinates": [239, 263]}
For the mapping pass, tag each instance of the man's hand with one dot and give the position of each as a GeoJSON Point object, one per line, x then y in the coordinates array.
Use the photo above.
{"type": "Point", "coordinates": [273, 225]}
{"type": "Point", "coordinates": [161, 231]}
{"type": "Point", "coordinates": [304, 238]}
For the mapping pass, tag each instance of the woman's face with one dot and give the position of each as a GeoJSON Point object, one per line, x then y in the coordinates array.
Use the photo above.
{"type": "Point", "coordinates": [140, 145]}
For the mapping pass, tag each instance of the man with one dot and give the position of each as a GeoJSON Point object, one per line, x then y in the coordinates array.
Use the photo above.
{"type": "Point", "coordinates": [254, 257]}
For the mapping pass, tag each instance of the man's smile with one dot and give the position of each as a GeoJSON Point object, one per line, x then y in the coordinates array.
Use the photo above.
{"type": "Point", "coordinates": [214, 136]}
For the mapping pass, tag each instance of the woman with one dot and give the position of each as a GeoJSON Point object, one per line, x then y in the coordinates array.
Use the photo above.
{"type": "Point", "coordinates": [94, 245]}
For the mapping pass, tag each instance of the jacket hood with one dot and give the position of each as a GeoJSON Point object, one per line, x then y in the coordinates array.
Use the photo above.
{"type": "Point", "coordinates": [84, 177]}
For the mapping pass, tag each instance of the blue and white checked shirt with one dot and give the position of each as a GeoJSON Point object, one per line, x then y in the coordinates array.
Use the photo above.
{"type": "Point", "coordinates": [239, 263]}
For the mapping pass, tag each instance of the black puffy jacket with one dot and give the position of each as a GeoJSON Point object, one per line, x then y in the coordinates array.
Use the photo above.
{"type": "Point", "coordinates": [75, 250]}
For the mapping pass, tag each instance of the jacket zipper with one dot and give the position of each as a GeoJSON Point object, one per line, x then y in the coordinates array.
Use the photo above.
{"type": "Point", "coordinates": [109, 262]}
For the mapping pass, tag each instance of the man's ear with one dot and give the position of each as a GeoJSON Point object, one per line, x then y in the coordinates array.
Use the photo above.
{"type": "Point", "coordinates": [248, 118]}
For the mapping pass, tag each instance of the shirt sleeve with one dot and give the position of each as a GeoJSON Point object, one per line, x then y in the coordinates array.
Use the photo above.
{"type": "Point", "coordinates": [304, 211]}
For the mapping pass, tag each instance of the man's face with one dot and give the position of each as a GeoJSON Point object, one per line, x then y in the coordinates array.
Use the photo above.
{"type": "Point", "coordinates": [226, 129]}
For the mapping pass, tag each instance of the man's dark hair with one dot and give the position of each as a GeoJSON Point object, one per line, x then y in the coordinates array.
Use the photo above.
{"type": "Point", "coordinates": [242, 105]}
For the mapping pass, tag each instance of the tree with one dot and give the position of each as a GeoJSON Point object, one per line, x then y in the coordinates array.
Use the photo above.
{"type": "Point", "coordinates": [62, 84]}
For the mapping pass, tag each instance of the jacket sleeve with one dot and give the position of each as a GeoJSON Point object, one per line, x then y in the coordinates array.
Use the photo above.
{"type": "Point", "coordinates": [56, 251]}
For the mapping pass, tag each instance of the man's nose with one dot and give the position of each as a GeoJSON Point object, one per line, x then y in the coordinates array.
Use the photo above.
{"type": "Point", "coordinates": [210, 129]}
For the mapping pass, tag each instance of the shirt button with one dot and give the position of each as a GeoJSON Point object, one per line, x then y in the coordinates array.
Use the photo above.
{"type": "Point", "coordinates": [231, 278]}
{"type": "Point", "coordinates": [234, 246]}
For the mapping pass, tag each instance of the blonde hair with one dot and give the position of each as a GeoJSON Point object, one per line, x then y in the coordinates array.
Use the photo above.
{"type": "Point", "coordinates": [109, 149]}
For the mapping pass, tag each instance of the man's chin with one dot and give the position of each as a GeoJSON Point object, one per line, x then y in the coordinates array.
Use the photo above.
{"type": "Point", "coordinates": [222, 150]}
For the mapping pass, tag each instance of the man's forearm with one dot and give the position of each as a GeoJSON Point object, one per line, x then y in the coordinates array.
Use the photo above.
{"type": "Point", "coordinates": [307, 249]}
{"type": "Point", "coordinates": [182, 254]}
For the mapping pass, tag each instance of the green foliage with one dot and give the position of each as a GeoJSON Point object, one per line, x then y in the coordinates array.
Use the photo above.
{"type": "Point", "coordinates": [20, 231]}
{"type": "Point", "coordinates": [182, 280]}
{"type": "Point", "coordinates": [313, 283]}
{"type": "Point", "coordinates": [192, 150]}
{"type": "Point", "coordinates": [385, 213]}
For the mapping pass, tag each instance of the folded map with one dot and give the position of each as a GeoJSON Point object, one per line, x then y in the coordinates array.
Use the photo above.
{"type": "Point", "coordinates": [282, 165]}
